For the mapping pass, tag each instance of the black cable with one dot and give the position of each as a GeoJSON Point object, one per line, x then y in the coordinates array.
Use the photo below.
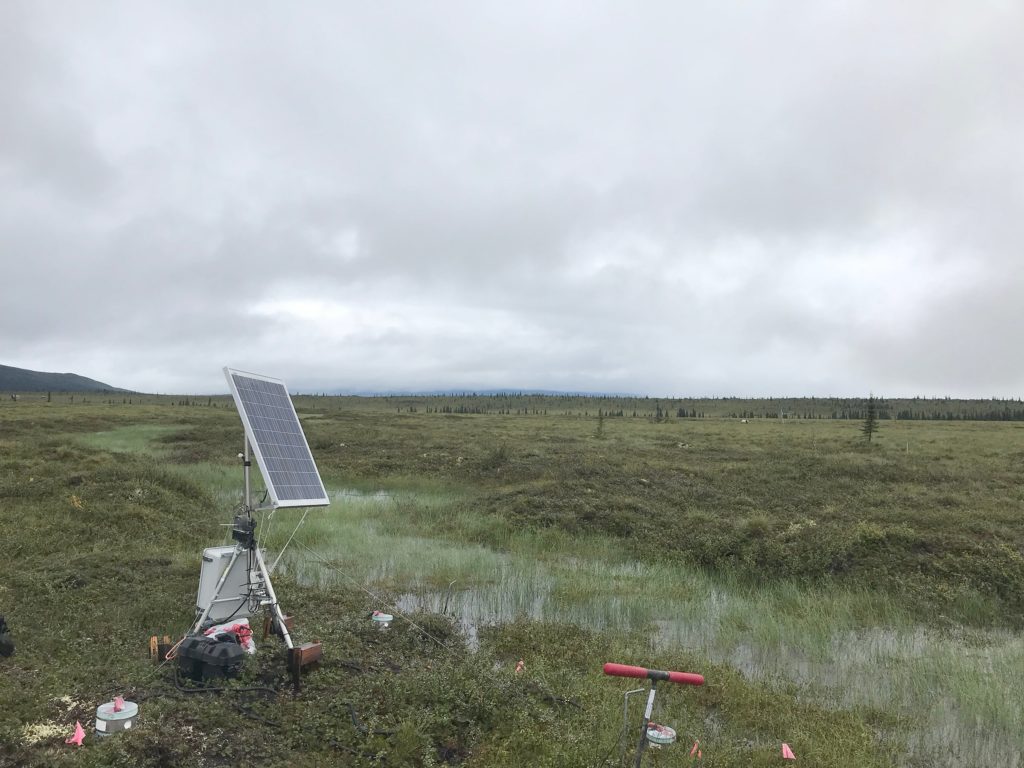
{"type": "Point", "coordinates": [219, 689]}
{"type": "Point", "coordinates": [358, 724]}
{"type": "Point", "coordinates": [241, 707]}
{"type": "Point", "coordinates": [248, 713]}
{"type": "Point", "coordinates": [618, 740]}
{"type": "Point", "coordinates": [245, 601]}
{"type": "Point", "coordinates": [548, 696]}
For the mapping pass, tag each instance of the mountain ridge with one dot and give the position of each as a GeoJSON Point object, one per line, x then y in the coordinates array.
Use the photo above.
{"type": "Point", "coordinates": [25, 380]}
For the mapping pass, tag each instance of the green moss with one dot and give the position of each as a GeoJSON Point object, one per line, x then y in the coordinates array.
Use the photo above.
{"type": "Point", "coordinates": [769, 539]}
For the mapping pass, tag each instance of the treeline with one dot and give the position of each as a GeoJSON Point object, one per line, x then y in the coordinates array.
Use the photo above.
{"type": "Point", "coordinates": [1004, 414]}
{"type": "Point", "coordinates": [662, 409]}
{"type": "Point", "coordinates": [593, 406]}
{"type": "Point", "coordinates": [996, 414]}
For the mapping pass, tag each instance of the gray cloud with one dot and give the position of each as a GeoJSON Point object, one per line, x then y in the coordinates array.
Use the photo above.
{"type": "Point", "coordinates": [668, 199]}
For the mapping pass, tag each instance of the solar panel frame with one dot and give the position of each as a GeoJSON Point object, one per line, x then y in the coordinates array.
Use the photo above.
{"type": "Point", "coordinates": [287, 464]}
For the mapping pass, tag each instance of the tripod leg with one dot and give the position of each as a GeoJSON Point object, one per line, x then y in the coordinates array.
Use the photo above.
{"type": "Point", "coordinates": [216, 592]}
{"type": "Point", "coordinates": [275, 608]}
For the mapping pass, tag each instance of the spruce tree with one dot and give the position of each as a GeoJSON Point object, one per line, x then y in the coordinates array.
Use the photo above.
{"type": "Point", "coordinates": [870, 425]}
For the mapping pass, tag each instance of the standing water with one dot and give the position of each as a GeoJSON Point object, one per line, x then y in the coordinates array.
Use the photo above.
{"type": "Point", "coordinates": [959, 688]}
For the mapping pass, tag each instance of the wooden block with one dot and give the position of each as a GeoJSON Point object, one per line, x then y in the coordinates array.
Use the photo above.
{"type": "Point", "coordinates": [269, 628]}
{"type": "Point", "coordinates": [158, 648]}
{"type": "Point", "coordinates": [303, 656]}
{"type": "Point", "coordinates": [308, 653]}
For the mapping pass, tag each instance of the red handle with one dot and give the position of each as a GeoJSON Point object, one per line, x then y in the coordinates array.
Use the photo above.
{"type": "Point", "coordinates": [625, 670]}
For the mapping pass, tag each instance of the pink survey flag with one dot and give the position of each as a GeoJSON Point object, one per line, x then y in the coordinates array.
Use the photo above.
{"type": "Point", "coordinates": [694, 750]}
{"type": "Point", "coordinates": [787, 753]}
{"type": "Point", "coordinates": [118, 703]}
{"type": "Point", "coordinates": [520, 666]}
{"type": "Point", "coordinates": [79, 735]}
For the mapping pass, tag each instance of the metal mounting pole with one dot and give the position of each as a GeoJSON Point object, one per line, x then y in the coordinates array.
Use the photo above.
{"type": "Point", "coordinates": [246, 466]}
{"type": "Point", "coordinates": [261, 565]}
{"type": "Point", "coordinates": [643, 728]}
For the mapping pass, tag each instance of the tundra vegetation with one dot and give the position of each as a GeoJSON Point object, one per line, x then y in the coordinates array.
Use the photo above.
{"type": "Point", "coordinates": [860, 601]}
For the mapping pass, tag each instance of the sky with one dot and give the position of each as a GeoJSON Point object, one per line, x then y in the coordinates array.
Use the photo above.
{"type": "Point", "coordinates": [662, 198]}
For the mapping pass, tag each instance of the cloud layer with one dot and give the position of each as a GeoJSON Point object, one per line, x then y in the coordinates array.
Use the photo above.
{"type": "Point", "coordinates": [817, 198]}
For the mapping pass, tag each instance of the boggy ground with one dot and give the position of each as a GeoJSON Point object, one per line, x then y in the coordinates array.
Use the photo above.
{"type": "Point", "coordinates": [106, 506]}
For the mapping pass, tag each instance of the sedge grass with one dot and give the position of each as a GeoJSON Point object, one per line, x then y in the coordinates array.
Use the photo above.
{"type": "Point", "coordinates": [952, 689]}
{"type": "Point", "coordinates": [843, 648]}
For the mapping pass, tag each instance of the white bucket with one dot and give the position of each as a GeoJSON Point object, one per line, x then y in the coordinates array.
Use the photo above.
{"type": "Point", "coordinates": [660, 734]}
{"type": "Point", "coordinates": [109, 722]}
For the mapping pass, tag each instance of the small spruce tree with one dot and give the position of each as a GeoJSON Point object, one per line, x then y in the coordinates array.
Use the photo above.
{"type": "Point", "coordinates": [870, 425]}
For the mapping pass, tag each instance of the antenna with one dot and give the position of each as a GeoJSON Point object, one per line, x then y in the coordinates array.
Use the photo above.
{"type": "Point", "coordinates": [242, 586]}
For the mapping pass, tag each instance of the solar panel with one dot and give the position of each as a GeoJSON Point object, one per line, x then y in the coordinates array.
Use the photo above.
{"type": "Point", "coordinates": [273, 430]}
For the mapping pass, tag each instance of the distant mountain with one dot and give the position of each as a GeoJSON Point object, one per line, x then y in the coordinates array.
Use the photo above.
{"type": "Point", "coordinates": [22, 380]}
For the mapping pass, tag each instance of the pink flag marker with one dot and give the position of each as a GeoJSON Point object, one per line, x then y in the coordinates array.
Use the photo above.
{"type": "Point", "coordinates": [694, 750]}
{"type": "Point", "coordinates": [118, 703]}
{"type": "Point", "coordinates": [787, 753]}
{"type": "Point", "coordinates": [79, 735]}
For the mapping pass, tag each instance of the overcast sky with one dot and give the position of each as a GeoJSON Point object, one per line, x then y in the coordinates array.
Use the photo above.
{"type": "Point", "coordinates": [665, 198]}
